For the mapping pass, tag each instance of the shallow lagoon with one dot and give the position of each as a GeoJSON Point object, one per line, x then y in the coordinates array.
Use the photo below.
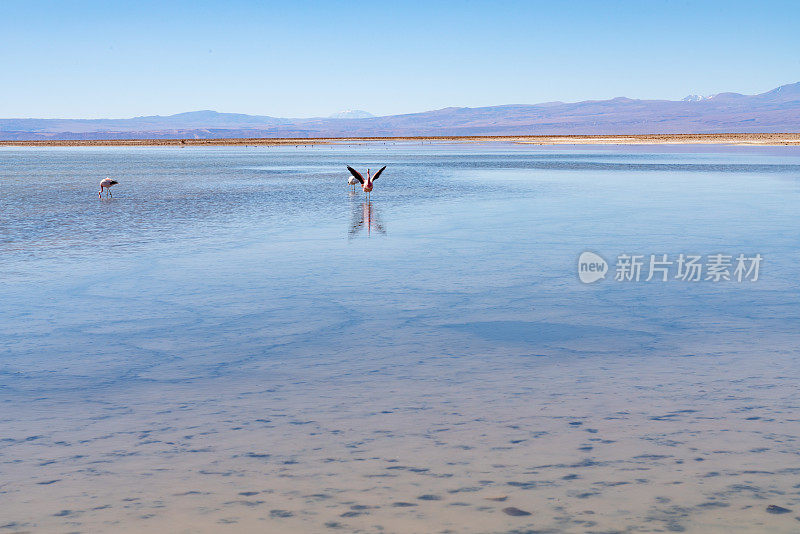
{"type": "Point", "coordinates": [236, 342]}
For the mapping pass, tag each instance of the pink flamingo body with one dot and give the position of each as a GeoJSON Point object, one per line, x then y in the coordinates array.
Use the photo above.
{"type": "Point", "coordinates": [106, 184]}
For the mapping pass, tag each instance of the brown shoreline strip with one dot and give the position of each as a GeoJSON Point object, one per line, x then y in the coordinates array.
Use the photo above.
{"type": "Point", "coordinates": [763, 139]}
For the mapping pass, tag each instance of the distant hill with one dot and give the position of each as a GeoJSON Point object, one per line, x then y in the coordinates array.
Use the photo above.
{"type": "Point", "coordinates": [776, 111]}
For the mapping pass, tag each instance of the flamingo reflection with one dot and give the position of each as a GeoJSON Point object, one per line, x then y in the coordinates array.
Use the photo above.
{"type": "Point", "coordinates": [366, 216]}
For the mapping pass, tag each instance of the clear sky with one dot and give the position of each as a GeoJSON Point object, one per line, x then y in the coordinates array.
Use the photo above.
{"type": "Point", "coordinates": [299, 59]}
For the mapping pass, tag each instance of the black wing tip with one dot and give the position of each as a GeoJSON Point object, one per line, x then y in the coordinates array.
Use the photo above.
{"type": "Point", "coordinates": [356, 174]}
{"type": "Point", "coordinates": [379, 172]}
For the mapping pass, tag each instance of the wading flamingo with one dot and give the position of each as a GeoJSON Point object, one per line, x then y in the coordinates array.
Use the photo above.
{"type": "Point", "coordinates": [106, 184]}
{"type": "Point", "coordinates": [352, 181]}
{"type": "Point", "coordinates": [366, 185]}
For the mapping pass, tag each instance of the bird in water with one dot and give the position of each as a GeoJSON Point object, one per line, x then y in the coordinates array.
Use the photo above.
{"type": "Point", "coordinates": [352, 181]}
{"type": "Point", "coordinates": [106, 184]}
{"type": "Point", "coordinates": [366, 185]}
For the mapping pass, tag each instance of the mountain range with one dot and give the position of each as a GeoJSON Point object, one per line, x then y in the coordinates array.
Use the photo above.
{"type": "Point", "coordinates": [775, 111]}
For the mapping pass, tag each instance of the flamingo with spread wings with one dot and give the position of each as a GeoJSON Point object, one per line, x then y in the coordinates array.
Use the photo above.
{"type": "Point", "coordinates": [366, 185]}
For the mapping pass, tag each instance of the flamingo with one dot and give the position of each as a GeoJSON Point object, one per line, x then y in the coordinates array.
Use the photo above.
{"type": "Point", "coordinates": [366, 185]}
{"type": "Point", "coordinates": [106, 184]}
{"type": "Point", "coordinates": [352, 181]}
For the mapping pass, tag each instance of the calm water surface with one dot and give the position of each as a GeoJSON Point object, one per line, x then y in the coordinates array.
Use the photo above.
{"type": "Point", "coordinates": [235, 341]}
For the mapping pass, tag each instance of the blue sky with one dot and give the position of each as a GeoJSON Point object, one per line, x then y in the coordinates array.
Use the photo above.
{"type": "Point", "coordinates": [299, 59]}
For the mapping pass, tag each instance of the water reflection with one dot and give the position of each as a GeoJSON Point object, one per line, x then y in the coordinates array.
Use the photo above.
{"type": "Point", "coordinates": [365, 215]}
